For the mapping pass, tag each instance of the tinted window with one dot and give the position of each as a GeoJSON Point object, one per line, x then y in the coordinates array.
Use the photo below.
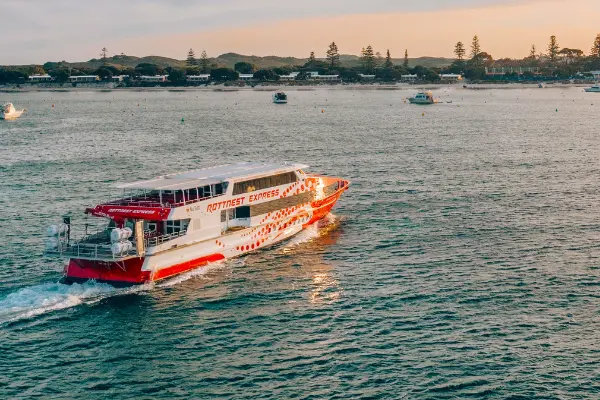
{"type": "Point", "coordinates": [264, 183]}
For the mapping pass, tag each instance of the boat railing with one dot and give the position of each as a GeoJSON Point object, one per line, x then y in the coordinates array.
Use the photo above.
{"type": "Point", "coordinates": [158, 240]}
{"type": "Point", "coordinates": [91, 251]}
{"type": "Point", "coordinates": [98, 245]}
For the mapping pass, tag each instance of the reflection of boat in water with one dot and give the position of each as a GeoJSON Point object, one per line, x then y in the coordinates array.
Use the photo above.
{"type": "Point", "coordinates": [280, 98]}
{"type": "Point", "coordinates": [593, 89]}
{"type": "Point", "coordinates": [423, 98]}
{"type": "Point", "coordinates": [9, 112]}
{"type": "Point", "coordinates": [177, 223]}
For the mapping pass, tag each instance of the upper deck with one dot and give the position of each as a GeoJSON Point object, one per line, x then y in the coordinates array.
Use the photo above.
{"type": "Point", "coordinates": [180, 189]}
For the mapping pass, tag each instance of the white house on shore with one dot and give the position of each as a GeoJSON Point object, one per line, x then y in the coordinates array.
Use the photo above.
{"type": "Point", "coordinates": [291, 77]}
{"type": "Point", "coordinates": [328, 78]}
{"type": "Point", "coordinates": [198, 78]}
{"type": "Point", "coordinates": [155, 78]}
{"type": "Point", "coordinates": [119, 78]}
{"type": "Point", "coordinates": [246, 77]}
{"type": "Point", "coordinates": [409, 77]}
{"type": "Point", "coordinates": [367, 77]}
{"type": "Point", "coordinates": [84, 78]}
{"type": "Point", "coordinates": [595, 74]}
{"type": "Point", "coordinates": [41, 78]}
{"type": "Point", "coordinates": [451, 77]}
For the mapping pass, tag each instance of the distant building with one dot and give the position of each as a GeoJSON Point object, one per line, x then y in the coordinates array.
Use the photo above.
{"type": "Point", "coordinates": [409, 77]}
{"type": "Point", "coordinates": [451, 77]}
{"type": "Point", "coordinates": [119, 78]}
{"type": "Point", "coordinates": [316, 77]}
{"type": "Point", "coordinates": [41, 78]}
{"type": "Point", "coordinates": [198, 78]}
{"type": "Point", "coordinates": [595, 74]}
{"type": "Point", "coordinates": [155, 78]}
{"type": "Point", "coordinates": [84, 78]}
{"type": "Point", "coordinates": [291, 77]}
{"type": "Point", "coordinates": [509, 70]}
{"type": "Point", "coordinates": [366, 77]}
{"type": "Point", "coordinates": [246, 77]}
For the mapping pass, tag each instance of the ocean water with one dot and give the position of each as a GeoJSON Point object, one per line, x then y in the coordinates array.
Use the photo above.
{"type": "Point", "coordinates": [462, 263]}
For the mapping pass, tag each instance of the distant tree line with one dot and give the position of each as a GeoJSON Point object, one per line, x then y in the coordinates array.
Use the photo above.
{"type": "Point", "coordinates": [555, 62]}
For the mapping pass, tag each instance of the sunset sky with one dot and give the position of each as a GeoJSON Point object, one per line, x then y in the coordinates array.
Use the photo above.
{"type": "Point", "coordinates": [35, 31]}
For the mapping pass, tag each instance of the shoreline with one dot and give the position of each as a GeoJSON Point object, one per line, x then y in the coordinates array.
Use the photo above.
{"type": "Point", "coordinates": [274, 87]}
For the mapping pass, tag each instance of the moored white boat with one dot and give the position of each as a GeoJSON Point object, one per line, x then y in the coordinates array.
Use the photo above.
{"type": "Point", "coordinates": [280, 98]}
{"type": "Point", "coordinates": [9, 112]}
{"type": "Point", "coordinates": [593, 89]}
{"type": "Point", "coordinates": [423, 98]}
{"type": "Point", "coordinates": [176, 223]}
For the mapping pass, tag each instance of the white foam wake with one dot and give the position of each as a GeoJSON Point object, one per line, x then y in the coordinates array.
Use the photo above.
{"type": "Point", "coordinates": [312, 232]}
{"type": "Point", "coordinates": [31, 301]}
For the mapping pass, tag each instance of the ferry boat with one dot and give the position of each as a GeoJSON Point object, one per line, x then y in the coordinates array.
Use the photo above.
{"type": "Point", "coordinates": [280, 98]}
{"type": "Point", "coordinates": [593, 89]}
{"type": "Point", "coordinates": [423, 98]}
{"type": "Point", "coordinates": [175, 223]}
{"type": "Point", "coordinates": [8, 111]}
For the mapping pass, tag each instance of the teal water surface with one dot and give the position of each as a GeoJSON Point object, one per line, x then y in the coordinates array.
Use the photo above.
{"type": "Point", "coordinates": [462, 263]}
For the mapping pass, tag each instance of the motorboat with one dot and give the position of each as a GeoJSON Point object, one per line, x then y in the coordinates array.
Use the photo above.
{"type": "Point", "coordinates": [280, 98]}
{"type": "Point", "coordinates": [8, 111]}
{"type": "Point", "coordinates": [173, 224]}
{"type": "Point", "coordinates": [541, 85]}
{"type": "Point", "coordinates": [423, 98]}
{"type": "Point", "coordinates": [593, 89]}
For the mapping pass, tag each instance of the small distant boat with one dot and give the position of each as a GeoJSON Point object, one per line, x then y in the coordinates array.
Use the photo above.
{"type": "Point", "coordinates": [280, 98]}
{"type": "Point", "coordinates": [423, 98]}
{"type": "Point", "coordinates": [593, 89]}
{"type": "Point", "coordinates": [541, 85]}
{"type": "Point", "coordinates": [9, 112]}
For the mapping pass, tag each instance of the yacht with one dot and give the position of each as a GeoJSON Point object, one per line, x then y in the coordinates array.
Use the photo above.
{"type": "Point", "coordinates": [8, 111]}
{"type": "Point", "coordinates": [423, 98]}
{"type": "Point", "coordinates": [166, 226]}
{"type": "Point", "coordinates": [593, 89]}
{"type": "Point", "coordinates": [280, 98]}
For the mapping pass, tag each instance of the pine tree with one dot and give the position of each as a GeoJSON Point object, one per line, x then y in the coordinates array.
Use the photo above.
{"type": "Point", "coordinates": [459, 50]}
{"type": "Point", "coordinates": [367, 59]}
{"type": "Point", "coordinates": [204, 64]}
{"type": "Point", "coordinates": [191, 58]}
{"type": "Point", "coordinates": [475, 47]}
{"type": "Point", "coordinates": [405, 64]}
{"type": "Point", "coordinates": [532, 52]}
{"type": "Point", "coordinates": [333, 55]}
{"type": "Point", "coordinates": [553, 48]}
{"type": "Point", "coordinates": [595, 52]}
{"type": "Point", "coordinates": [388, 61]}
{"type": "Point", "coordinates": [103, 54]}
{"type": "Point", "coordinates": [312, 61]}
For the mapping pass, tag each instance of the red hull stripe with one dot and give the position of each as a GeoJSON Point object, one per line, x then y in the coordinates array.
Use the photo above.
{"type": "Point", "coordinates": [186, 266]}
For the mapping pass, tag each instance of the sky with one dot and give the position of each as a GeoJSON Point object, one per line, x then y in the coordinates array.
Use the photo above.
{"type": "Point", "coordinates": [36, 31]}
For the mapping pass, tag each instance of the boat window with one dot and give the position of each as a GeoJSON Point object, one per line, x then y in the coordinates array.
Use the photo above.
{"type": "Point", "coordinates": [264, 183]}
{"type": "Point", "coordinates": [176, 226]}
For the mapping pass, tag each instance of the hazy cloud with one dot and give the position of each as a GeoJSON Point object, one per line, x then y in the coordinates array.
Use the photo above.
{"type": "Point", "coordinates": [72, 29]}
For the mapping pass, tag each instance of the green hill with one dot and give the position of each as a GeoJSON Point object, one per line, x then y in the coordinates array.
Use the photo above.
{"type": "Point", "coordinates": [230, 59]}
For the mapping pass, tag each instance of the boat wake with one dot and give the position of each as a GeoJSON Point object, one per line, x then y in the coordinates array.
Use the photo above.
{"type": "Point", "coordinates": [32, 301]}
{"type": "Point", "coordinates": [35, 300]}
{"type": "Point", "coordinates": [313, 231]}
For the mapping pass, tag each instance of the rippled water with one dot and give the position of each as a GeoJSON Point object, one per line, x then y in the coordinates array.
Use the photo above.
{"type": "Point", "coordinates": [462, 263]}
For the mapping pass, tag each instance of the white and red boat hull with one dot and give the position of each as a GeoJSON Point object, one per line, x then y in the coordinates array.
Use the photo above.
{"type": "Point", "coordinates": [271, 229]}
